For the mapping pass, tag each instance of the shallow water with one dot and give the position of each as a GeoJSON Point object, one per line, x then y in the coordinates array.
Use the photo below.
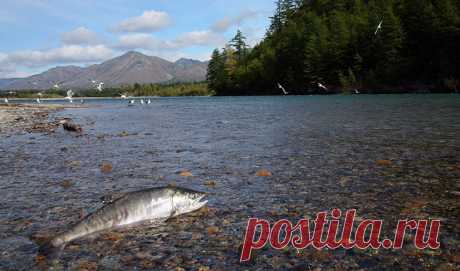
{"type": "Point", "coordinates": [321, 150]}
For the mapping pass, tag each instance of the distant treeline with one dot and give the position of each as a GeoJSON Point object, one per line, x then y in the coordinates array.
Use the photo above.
{"type": "Point", "coordinates": [335, 43]}
{"type": "Point", "coordinates": [166, 90]}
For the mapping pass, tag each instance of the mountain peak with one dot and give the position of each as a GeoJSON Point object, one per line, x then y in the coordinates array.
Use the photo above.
{"type": "Point", "coordinates": [187, 62]}
{"type": "Point", "coordinates": [133, 54]}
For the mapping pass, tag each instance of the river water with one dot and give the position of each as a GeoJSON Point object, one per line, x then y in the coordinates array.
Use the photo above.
{"type": "Point", "coordinates": [323, 153]}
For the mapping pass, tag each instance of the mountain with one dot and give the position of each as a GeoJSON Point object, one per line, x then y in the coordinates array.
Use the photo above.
{"type": "Point", "coordinates": [6, 81]}
{"type": "Point", "coordinates": [45, 80]}
{"type": "Point", "coordinates": [189, 69]}
{"type": "Point", "coordinates": [132, 67]}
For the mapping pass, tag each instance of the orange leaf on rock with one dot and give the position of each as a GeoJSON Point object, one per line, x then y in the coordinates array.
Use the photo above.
{"type": "Point", "coordinates": [66, 184]}
{"type": "Point", "coordinates": [212, 230]}
{"type": "Point", "coordinates": [112, 236]}
{"type": "Point", "coordinates": [40, 259]}
{"type": "Point", "coordinates": [89, 266]}
{"type": "Point", "coordinates": [106, 168]}
{"type": "Point", "coordinates": [384, 163]}
{"type": "Point", "coordinates": [210, 183]}
{"type": "Point", "coordinates": [264, 173]}
{"type": "Point", "coordinates": [186, 173]}
{"type": "Point", "coordinates": [147, 264]}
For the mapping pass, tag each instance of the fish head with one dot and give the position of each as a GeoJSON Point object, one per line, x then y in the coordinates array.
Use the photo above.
{"type": "Point", "coordinates": [187, 200]}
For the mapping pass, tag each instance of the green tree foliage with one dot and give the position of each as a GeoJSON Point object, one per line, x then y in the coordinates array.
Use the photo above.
{"type": "Point", "coordinates": [334, 42]}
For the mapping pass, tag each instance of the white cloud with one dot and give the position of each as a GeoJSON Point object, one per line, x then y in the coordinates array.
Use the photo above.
{"type": "Point", "coordinates": [8, 70]}
{"type": "Point", "coordinates": [189, 39]}
{"type": "Point", "coordinates": [13, 73]}
{"type": "Point", "coordinates": [200, 38]}
{"type": "Point", "coordinates": [149, 21]}
{"type": "Point", "coordinates": [227, 22]}
{"type": "Point", "coordinates": [81, 36]}
{"type": "Point", "coordinates": [62, 55]}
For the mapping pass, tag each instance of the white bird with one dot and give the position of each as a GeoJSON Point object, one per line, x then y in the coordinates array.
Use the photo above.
{"type": "Point", "coordinates": [357, 91]}
{"type": "Point", "coordinates": [149, 101]}
{"type": "Point", "coordinates": [132, 102]}
{"type": "Point", "coordinates": [379, 27]}
{"type": "Point", "coordinates": [282, 88]}
{"type": "Point", "coordinates": [55, 85]}
{"type": "Point", "coordinates": [322, 86]}
{"type": "Point", "coordinates": [142, 101]}
{"type": "Point", "coordinates": [82, 101]}
{"type": "Point", "coordinates": [69, 95]}
{"type": "Point", "coordinates": [11, 92]}
{"type": "Point", "coordinates": [93, 81]}
{"type": "Point", "coordinates": [123, 96]}
{"type": "Point", "coordinates": [99, 87]}
{"type": "Point", "coordinates": [6, 100]}
{"type": "Point", "coordinates": [39, 101]}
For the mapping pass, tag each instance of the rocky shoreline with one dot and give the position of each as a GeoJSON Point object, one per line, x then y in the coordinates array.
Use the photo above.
{"type": "Point", "coordinates": [19, 118]}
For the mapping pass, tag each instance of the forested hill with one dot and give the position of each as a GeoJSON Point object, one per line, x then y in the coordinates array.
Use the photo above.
{"type": "Point", "coordinates": [336, 43]}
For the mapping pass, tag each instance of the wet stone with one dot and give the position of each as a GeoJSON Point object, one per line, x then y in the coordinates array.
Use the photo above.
{"type": "Point", "coordinates": [15, 253]}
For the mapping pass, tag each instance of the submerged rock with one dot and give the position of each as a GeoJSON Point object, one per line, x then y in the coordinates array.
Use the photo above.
{"type": "Point", "coordinates": [71, 127]}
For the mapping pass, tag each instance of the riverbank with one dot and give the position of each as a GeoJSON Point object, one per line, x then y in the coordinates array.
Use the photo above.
{"type": "Point", "coordinates": [22, 118]}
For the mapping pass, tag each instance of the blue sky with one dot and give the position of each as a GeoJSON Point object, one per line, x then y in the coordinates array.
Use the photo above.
{"type": "Point", "coordinates": [38, 34]}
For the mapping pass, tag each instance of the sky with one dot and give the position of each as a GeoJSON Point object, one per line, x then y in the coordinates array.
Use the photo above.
{"type": "Point", "coordinates": [36, 35]}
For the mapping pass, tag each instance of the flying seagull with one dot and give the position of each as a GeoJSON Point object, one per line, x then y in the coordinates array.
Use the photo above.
{"type": "Point", "coordinates": [99, 87]}
{"type": "Point", "coordinates": [379, 27]}
{"type": "Point", "coordinates": [322, 86]}
{"type": "Point", "coordinates": [282, 88]}
{"type": "Point", "coordinates": [56, 85]}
